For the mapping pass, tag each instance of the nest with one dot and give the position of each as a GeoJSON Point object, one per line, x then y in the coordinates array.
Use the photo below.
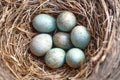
{"type": "Point", "coordinates": [16, 32]}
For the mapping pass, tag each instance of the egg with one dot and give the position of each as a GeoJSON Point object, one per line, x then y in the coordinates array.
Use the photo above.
{"type": "Point", "coordinates": [44, 23]}
{"type": "Point", "coordinates": [74, 57]}
{"type": "Point", "coordinates": [80, 37]}
{"type": "Point", "coordinates": [66, 21]}
{"type": "Point", "coordinates": [40, 44]}
{"type": "Point", "coordinates": [55, 58]}
{"type": "Point", "coordinates": [62, 40]}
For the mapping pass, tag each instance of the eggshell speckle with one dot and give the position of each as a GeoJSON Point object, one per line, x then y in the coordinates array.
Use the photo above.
{"type": "Point", "coordinates": [62, 40]}
{"type": "Point", "coordinates": [66, 21]}
{"type": "Point", "coordinates": [55, 58]}
{"type": "Point", "coordinates": [44, 23]}
{"type": "Point", "coordinates": [41, 44]}
{"type": "Point", "coordinates": [74, 57]}
{"type": "Point", "coordinates": [80, 37]}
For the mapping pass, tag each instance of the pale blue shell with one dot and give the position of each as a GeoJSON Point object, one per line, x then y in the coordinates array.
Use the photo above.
{"type": "Point", "coordinates": [62, 40]}
{"type": "Point", "coordinates": [74, 57]}
{"type": "Point", "coordinates": [80, 37]}
{"type": "Point", "coordinates": [66, 21]}
{"type": "Point", "coordinates": [55, 58]}
{"type": "Point", "coordinates": [44, 23]}
{"type": "Point", "coordinates": [40, 44]}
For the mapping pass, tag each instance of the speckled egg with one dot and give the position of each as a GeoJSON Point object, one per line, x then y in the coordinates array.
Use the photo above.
{"type": "Point", "coordinates": [80, 37]}
{"type": "Point", "coordinates": [75, 57]}
{"type": "Point", "coordinates": [66, 21]}
{"type": "Point", "coordinates": [40, 44]}
{"type": "Point", "coordinates": [55, 58]}
{"type": "Point", "coordinates": [44, 23]}
{"type": "Point", "coordinates": [62, 40]}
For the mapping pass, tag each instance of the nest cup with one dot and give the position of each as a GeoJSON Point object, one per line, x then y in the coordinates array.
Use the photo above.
{"type": "Point", "coordinates": [17, 31]}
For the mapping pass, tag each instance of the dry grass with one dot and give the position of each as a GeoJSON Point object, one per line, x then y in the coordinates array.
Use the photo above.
{"type": "Point", "coordinates": [16, 33]}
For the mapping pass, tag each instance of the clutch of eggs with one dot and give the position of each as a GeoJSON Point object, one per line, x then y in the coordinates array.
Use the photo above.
{"type": "Point", "coordinates": [74, 42]}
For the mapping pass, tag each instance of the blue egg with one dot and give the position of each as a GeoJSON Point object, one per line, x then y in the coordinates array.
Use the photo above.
{"type": "Point", "coordinates": [44, 23]}
{"type": "Point", "coordinates": [40, 44]}
{"type": "Point", "coordinates": [80, 37]}
{"type": "Point", "coordinates": [66, 21]}
{"type": "Point", "coordinates": [75, 57]}
{"type": "Point", "coordinates": [62, 40]}
{"type": "Point", "coordinates": [55, 58]}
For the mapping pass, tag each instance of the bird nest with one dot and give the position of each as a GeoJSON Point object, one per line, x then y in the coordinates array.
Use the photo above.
{"type": "Point", "coordinates": [16, 33]}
